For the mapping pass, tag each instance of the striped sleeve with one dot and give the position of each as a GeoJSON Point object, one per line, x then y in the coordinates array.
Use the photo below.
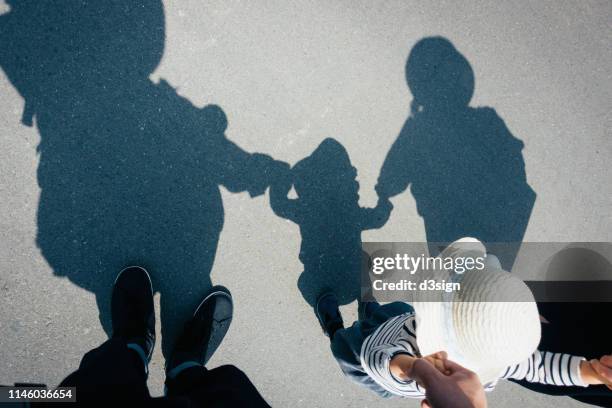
{"type": "Point", "coordinates": [545, 367]}
{"type": "Point", "coordinates": [395, 336]}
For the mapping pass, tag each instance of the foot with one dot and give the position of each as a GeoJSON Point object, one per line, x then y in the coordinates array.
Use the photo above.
{"type": "Point", "coordinates": [132, 309]}
{"type": "Point", "coordinates": [328, 313]}
{"type": "Point", "coordinates": [204, 332]}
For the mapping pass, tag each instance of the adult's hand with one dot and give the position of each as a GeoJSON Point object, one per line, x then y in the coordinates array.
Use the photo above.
{"type": "Point", "coordinates": [401, 364]}
{"type": "Point", "coordinates": [457, 388]}
{"type": "Point", "coordinates": [264, 169]}
{"type": "Point", "coordinates": [603, 368]}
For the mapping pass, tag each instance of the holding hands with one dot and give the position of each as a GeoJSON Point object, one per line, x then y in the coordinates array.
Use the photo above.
{"type": "Point", "coordinates": [269, 169]}
{"type": "Point", "coordinates": [446, 383]}
{"type": "Point", "coordinates": [595, 372]}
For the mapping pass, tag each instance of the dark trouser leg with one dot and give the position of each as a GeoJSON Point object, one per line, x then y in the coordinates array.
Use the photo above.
{"type": "Point", "coordinates": [111, 372]}
{"type": "Point", "coordinates": [224, 386]}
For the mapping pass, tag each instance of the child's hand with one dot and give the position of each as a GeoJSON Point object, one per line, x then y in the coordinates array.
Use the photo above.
{"type": "Point", "coordinates": [282, 169]}
{"type": "Point", "coordinates": [260, 165]}
{"type": "Point", "coordinates": [401, 364]}
{"type": "Point", "coordinates": [280, 174]}
{"type": "Point", "coordinates": [384, 204]}
{"type": "Point", "coordinates": [378, 216]}
{"type": "Point", "coordinates": [272, 171]}
{"type": "Point", "coordinates": [438, 360]}
{"type": "Point", "coordinates": [381, 192]}
{"type": "Point", "coordinates": [602, 369]}
{"type": "Point", "coordinates": [383, 209]}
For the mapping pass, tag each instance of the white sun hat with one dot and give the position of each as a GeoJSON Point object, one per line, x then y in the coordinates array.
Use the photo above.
{"type": "Point", "coordinates": [490, 324]}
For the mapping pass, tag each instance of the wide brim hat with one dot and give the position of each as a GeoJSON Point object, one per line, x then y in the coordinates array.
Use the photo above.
{"type": "Point", "coordinates": [490, 324]}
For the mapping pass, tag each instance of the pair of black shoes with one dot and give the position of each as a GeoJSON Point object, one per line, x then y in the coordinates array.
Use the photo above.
{"type": "Point", "coordinates": [133, 317]}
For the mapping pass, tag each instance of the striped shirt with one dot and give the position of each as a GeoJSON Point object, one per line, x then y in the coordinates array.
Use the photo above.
{"type": "Point", "coordinates": [398, 335]}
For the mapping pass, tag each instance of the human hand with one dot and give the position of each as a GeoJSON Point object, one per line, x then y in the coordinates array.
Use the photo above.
{"type": "Point", "coordinates": [270, 171]}
{"type": "Point", "coordinates": [381, 213]}
{"type": "Point", "coordinates": [280, 175]}
{"type": "Point", "coordinates": [458, 387]}
{"type": "Point", "coordinates": [439, 360]}
{"type": "Point", "coordinates": [384, 204]}
{"type": "Point", "coordinates": [401, 364]}
{"type": "Point", "coordinates": [382, 193]}
{"type": "Point", "coordinates": [597, 371]}
{"type": "Point", "coordinates": [280, 169]}
{"type": "Point", "coordinates": [260, 166]}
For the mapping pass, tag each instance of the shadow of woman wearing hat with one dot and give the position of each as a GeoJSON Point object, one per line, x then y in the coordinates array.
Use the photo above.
{"type": "Point", "coordinates": [463, 166]}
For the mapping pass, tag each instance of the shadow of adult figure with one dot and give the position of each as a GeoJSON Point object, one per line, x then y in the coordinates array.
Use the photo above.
{"type": "Point", "coordinates": [330, 219]}
{"type": "Point", "coordinates": [464, 167]}
{"type": "Point", "coordinates": [129, 170]}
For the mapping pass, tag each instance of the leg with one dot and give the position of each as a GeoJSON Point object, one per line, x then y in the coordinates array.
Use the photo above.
{"type": "Point", "coordinates": [346, 347]}
{"type": "Point", "coordinates": [111, 372]}
{"type": "Point", "coordinates": [117, 370]}
{"type": "Point", "coordinates": [346, 343]}
{"type": "Point", "coordinates": [221, 386]}
{"type": "Point", "coordinates": [186, 375]}
{"type": "Point", "coordinates": [328, 314]}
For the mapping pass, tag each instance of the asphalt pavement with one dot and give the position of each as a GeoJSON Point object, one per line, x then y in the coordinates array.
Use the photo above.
{"type": "Point", "coordinates": [287, 75]}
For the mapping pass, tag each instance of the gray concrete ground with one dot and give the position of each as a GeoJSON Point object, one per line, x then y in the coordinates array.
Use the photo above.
{"type": "Point", "coordinates": [289, 74]}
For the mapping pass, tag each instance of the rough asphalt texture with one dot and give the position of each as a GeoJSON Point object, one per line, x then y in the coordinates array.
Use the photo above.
{"type": "Point", "coordinates": [288, 75]}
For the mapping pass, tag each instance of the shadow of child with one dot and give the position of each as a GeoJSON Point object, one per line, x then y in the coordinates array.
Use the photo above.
{"type": "Point", "coordinates": [330, 219]}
